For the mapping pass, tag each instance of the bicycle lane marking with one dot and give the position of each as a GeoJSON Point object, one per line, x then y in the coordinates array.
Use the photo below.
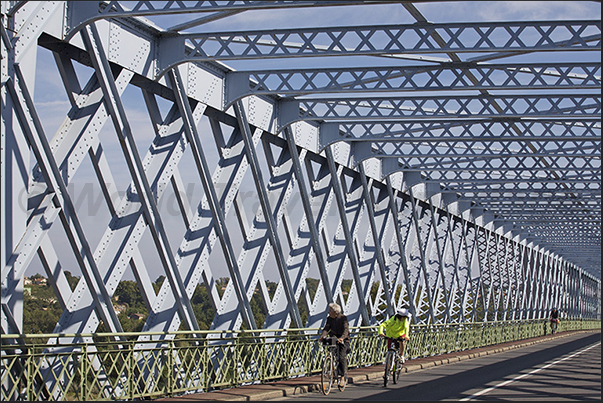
{"type": "Point", "coordinates": [505, 383]}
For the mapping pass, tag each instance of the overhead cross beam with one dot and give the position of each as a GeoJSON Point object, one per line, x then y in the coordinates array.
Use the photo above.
{"type": "Point", "coordinates": [442, 77]}
{"type": "Point", "coordinates": [415, 109]}
{"type": "Point", "coordinates": [582, 35]}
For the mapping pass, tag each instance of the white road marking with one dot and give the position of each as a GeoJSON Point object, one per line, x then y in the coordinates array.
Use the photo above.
{"type": "Point", "coordinates": [505, 383]}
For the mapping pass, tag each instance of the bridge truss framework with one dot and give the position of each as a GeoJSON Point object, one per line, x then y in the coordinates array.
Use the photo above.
{"type": "Point", "coordinates": [436, 167]}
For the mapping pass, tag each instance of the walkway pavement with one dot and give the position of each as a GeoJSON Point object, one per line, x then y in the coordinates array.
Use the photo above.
{"type": "Point", "coordinates": [290, 387]}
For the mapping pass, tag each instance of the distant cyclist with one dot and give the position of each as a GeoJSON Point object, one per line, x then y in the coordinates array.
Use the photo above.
{"type": "Point", "coordinates": [337, 326]}
{"type": "Point", "coordinates": [397, 327]}
{"type": "Point", "coordinates": [554, 320]}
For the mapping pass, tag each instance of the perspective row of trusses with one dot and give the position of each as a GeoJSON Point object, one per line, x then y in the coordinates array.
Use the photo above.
{"type": "Point", "coordinates": [530, 131]}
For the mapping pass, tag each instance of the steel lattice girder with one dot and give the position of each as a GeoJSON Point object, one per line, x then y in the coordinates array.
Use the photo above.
{"type": "Point", "coordinates": [416, 109]}
{"type": "Point", "coordinates": [421, 249]}
{"type": "Point", "coordinates": [381, 40]}
{"type": "Point", "coordinates": [442, 77]}
{"type": "Point", "coordinates": [450, 130]}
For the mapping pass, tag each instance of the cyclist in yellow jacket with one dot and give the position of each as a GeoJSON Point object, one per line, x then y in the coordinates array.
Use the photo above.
{"type": "Point", "coordinates": [397, 327]}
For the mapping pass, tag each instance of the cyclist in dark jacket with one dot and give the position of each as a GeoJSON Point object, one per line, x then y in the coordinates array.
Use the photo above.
{"type": "Point", "coordinates": [554, 320]}
{"type": "Point", "coordinates": [337, 326]}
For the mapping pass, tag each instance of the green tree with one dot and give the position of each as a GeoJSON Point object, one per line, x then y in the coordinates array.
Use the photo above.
{"type": "Point", "coordinates": [312, 286]}
{"type": "Point", "coordinates": [72, 280]}
{"type": "Point", "coordinates": [203, 307]}
{"type": "Point", "coordinates": [44, 292]}
{"type": "Point", "coordinates": [128, 292]}
{"type": "Point", "coordinates": [42, 310]}
{"type": "Point", "coordinates": [157, 284]}
{"type": "Point", "coordinates": [130, 321]}
{"type": "Point", "coordinates": [40, 315]}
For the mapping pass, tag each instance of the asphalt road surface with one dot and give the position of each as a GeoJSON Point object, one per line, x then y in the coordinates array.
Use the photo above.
{"type": "Point", "coordinates": [563, 369]}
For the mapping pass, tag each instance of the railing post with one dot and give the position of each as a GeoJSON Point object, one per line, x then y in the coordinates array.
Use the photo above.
{"type": "Point", "coordinates": [235, 365]}
{"type": "Point", "coordinates": [287, 357]}
{"type": "Point", "coordinates": [85, 372]}
{"type": "Point", "coordinates": [28, 375]}
{"type": "Point", "coordinates": [308, 348]}
{"type": "Point", "coordinates": [206, 367]}
{"type": "Point", "coordinates": [170, 367]}
{"type": "Point", "coordinates": [130, 369]}
{"type": "Point", "coordinates": [263, 360]}
{"type": "Point", "coordinates": [80, 369]}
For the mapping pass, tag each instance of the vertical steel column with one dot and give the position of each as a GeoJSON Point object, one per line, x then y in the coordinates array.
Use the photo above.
{"type": "Point", "coordinates": [580, 298]}
{"type": "Point", "coordinates": [217, 213]}
{"type": "Point", "coordinates": [460, 294]}
{"type": "Point", "coordinates": [321, 196]}
{"type": "Point", "coordinates": [547, 291]}
{"type": "Point", "coordinates": [479, 242]}
{"type": "Point", "coordinates": [73, 229]}
{"type": "Point", "coordinates": [541, 295]}
{"type": "Point", "coordinates": [77, 133]}
{"type": "Point", "coordinates": [501, 251]}
{"type": "Point", "coordinates": [467, 250]}
{"type": "Point", "coordinates": [575, 288]}
{"type": "Point", "coordinates": [347, 234]}
{"type": "Point", "coordinates": [509, 286]}
{"type": "Point", "coordinates": [14, 154]}
{"type": "Point", "coordinates": [517, 272]}
{"type": "Point", "coordinates": [541, 278]}
{"type": "Point", "coordinates": [305, 197]}
{"type": "Point", "coordinates": [421, 248]}
{"type": "Point", "coordinates": [265, 204]}
{"type": "Point", "coordinates": [529, 253]}
{"type": "Point", "coordinates": [497, 276]}
{"type": "Point", "coordinates": [470, 254]}
{"type": "Point", "coordinates": [550, 283]}
{"type": "Point", "coordinates": [401, 246]}
{"type": "Point", "coordinates": [558, 274]}
{"type": "Point", "coordinates": [6, 247]}
{"type": "Point", "coordinates": [486, 273]}
{"type": "Point", "coordinates": [525, 281]}
{"type": "Point", "coordinates": [439, 250]}
{"type": "Point", "coordinates": [369, 202]}
{"type": "Point", "coordinates": [565, 289]}
{"type": "Point", "coordinates": [122, 127]}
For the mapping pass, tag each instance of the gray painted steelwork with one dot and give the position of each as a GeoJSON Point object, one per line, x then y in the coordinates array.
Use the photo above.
{"type": "Point", "coordinates": [436, 167]}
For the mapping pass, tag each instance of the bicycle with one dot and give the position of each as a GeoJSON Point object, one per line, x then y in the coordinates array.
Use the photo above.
{"type": "Point", "coordinates": [554, 323]}
{"type": "Point", "coordinates": [329, 367]}
{"type": "Point", "coordinates": [393, 362]}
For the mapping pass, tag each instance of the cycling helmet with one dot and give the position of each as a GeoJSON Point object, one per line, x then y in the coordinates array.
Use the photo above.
{"type": "Point", "coordinates": [403, 312]}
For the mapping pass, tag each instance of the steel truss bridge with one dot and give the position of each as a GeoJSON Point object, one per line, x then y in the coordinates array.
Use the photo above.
{"type": "Point", "coordinates": [452, 167]}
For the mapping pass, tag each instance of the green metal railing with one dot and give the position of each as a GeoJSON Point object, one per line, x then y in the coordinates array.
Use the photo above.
{"type": "Point", "coordinates": [132, 366]}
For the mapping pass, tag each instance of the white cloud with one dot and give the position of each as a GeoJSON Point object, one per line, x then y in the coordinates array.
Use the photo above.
{"type": "Point", "coordinates": [510, 10]}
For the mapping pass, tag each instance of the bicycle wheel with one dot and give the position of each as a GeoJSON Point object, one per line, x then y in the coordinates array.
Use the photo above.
{"type": "Point", "coordinates": [326, 376]}
{"type": "Point", "coordinates": [389, 361]}
{"type": "Point", "coordinates": [396, 369]}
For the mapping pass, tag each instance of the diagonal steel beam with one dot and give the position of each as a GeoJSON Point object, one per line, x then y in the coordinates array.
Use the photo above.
{"type": "Point", "coordinates": [92, 42]}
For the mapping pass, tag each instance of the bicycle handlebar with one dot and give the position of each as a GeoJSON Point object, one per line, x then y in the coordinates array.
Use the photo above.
{"type": "Point", "coordinates": [331, 341]}
{"type": "Point", "coordinates": [394, 338]}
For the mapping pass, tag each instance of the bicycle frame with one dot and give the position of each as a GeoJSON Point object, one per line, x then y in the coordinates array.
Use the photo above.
{"type": "Point", "coordinates": [393, 362]}
{"type": "Point", "coordinates": [554, 323]}
{"type": "Point", "coordinates": [329, 365]}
